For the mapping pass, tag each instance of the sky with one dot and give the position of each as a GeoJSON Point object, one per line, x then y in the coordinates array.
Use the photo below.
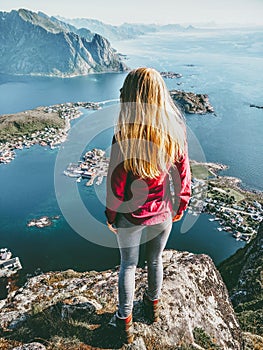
{"type": "Point", "coordinates": [243, 12]}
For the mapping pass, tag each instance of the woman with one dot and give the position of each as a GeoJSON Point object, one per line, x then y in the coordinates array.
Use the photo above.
{"type": "Point", "coordinates": [149, 143]}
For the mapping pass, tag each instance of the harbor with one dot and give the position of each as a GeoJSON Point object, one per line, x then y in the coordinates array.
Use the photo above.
{"type": "Point", "coordinates": [236, 211]}
{"type": "Point", "coordinates": [93, 167]}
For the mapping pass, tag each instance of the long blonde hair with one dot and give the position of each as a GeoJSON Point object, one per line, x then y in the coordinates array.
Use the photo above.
{"type": "Point", "coordinates": [150, 129]}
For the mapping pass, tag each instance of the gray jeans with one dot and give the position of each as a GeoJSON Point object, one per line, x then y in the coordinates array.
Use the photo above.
{"type": "Point", "coordinates": [129, 238]}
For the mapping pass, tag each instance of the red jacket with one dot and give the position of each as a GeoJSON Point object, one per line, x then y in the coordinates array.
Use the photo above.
{"type": "Point", "coordinates": [145, 201]}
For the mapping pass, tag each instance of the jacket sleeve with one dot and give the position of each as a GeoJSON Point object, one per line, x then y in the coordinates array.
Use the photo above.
{"type": "Point", "coordinates": [181, 176]}
{"type": "Point", "coordinates": [116, 181]}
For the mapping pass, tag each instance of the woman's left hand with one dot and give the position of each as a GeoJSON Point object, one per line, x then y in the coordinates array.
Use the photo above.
{"type": "Point", "coordinates": [178, 217]}
{"type": "Point", "coordinates": [112, 228]}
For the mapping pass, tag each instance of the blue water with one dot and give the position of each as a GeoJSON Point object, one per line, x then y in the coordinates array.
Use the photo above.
{"type": "Point", "coordinates": [226, 66]}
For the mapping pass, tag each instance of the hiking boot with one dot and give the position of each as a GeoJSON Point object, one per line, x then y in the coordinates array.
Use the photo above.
{"type": "Point", "coordinates": [124, 326]}
{"type": "Point", "coordinates": [151, 308]}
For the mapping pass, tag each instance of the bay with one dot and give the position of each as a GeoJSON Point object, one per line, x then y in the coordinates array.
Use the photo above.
{"type": "Point", "coordinates": [224, 65]}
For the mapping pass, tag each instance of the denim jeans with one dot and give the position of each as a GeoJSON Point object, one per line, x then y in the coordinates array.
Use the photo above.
{"type": "Point", "coordinates": [129, 238]}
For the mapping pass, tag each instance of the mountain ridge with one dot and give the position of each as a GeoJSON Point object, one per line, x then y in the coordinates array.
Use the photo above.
{"type": "Point", "coordinates": [36, 44]}
{"type": "Point", "coordinates": [123, 31]}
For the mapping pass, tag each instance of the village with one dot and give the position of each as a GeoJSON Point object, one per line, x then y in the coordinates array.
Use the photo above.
{"type": "Point", "coordinates": [94, 166]}
{"type": "Point", "coordinates": [49, 136]}
{"type": "Point", "coordinates": [235, 212]}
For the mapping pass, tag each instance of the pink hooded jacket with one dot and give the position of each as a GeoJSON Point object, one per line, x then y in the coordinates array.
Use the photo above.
{"type": "Point", "coordinates": [145, 201]}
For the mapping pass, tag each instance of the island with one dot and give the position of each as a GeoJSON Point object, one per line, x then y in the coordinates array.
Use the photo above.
{"type": "Point", "coordinates": [237, 210]}
{"type": "Point", "coordinates": [49, 126]}
{"type": "Point", "coordinates": [46, 126]}
{"type": "Point", "coordinates": [94, 165]}
{"type": "Point", "coordinates": [171, 75]}
{"type": "Point", "coordinates": [43, 221]}
{"type": "Point", "coordinates": [192, 103]}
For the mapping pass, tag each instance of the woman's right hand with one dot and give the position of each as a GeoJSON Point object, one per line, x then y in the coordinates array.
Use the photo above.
{"type": "Point", "coordinates": [177, 217]}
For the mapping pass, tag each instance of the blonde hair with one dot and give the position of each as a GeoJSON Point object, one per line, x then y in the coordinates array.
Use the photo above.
{"type": "Point", "coordinates": [150, 129]}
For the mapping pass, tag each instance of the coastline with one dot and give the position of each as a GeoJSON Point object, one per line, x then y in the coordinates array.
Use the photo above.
{"type": "Point", "coordinates": [235, 182]}
{"type": "Point", "coordinates": [52, 125]}
{"type": "Point", "coordinates": [238, 210]}
{"type": "Point", "coordinates": [212, 192]}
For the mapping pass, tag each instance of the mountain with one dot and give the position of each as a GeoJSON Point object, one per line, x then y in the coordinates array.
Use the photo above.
{"type": "Point", "coordinates": [35, 44]}
{"type": "Point", "coordinates": [71, 310]}
{"type": "Point", "coordinates": [82, 32]}
{"type": "Point", "coordinates": [123, 31]}
{"type": "Point", "coordinates": [107, 30]}
{"type": "Point", "coordinates": [243, 275]}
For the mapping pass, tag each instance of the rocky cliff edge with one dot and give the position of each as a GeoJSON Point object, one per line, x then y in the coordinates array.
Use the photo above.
{"type": "Point", "coordinates": [76, 307]}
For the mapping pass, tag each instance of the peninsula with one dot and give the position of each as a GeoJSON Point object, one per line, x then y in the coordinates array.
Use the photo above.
{"type": "Point", "coordinates": [47, 126]}
{"type": "Point", "coordinates": [237, 210]}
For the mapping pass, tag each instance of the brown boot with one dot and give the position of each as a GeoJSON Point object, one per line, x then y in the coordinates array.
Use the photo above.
{"type": "Point", "coordinates": [151, 308]}
{"type": "Point", "coordinates": [126, 328]}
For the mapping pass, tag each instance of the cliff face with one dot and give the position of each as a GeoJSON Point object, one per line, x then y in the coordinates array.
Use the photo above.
{"type": "Point", "coordinates": [195, 311]}
{"type": "Point", "coordinates": [35, 44]}
{"type": "Point", "coordinates": [243, 275]}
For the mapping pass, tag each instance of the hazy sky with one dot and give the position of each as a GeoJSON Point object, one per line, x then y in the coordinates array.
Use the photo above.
{"type": "Point", "coordinates": [148, 11]}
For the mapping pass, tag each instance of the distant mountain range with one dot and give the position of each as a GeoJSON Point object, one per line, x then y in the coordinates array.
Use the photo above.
{"type": "Point", "coordinates": [36, 44]}
{"type": "Point", "coordinates": [124, 31]}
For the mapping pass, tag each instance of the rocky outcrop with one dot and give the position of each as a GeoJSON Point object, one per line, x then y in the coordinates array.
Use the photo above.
{"type": "Point", "coordinates": [35, 44]}
{"type": "Point", "coordinates": [195, 311]}
{"type": "Point", "coordinates": [243, 275]}
{"type": "Point", "coordinates": [256, 106]}
{"type": "Point", "coordinates": [191, 102]}
{"type": "Point", "coordinates": [171, 75]}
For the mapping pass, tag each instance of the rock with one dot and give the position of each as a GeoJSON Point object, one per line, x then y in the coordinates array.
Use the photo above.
{"type": "Point", "coordinates": [195, 306]}
{"type": "Point", "coordinates": [75, 305]}
{"type": "Point", "coordinates": [192, 103]}
{"type": "Point", "coordinates": [31, 346]}
{"type": "Point", "coordinates": [2, 303]}
{"type": "Point", "coordinates": [252, 341]}
{"type": "Point", "coordinates": [171, 75]}
{"type": "Point", "coordinates": [256, 106]}
{"type": "Point", "coordinates": [243, 275]}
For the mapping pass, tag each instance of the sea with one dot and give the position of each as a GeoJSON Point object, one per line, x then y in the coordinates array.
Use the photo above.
{"type": "Point", "coordinates": [226, 64]}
